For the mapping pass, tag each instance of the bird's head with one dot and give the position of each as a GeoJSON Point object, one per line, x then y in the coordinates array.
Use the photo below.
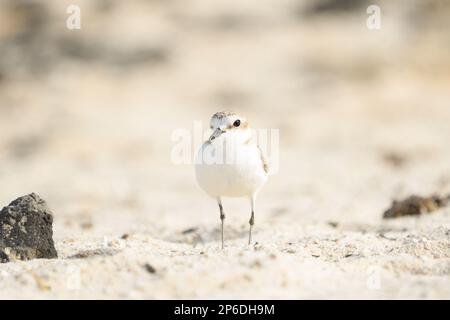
{"type": "Point", "coordinates": [230, 125]}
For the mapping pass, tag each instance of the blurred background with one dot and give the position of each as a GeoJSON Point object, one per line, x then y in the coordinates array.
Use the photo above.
{"type": "Point", "coordinates": [86, 115]}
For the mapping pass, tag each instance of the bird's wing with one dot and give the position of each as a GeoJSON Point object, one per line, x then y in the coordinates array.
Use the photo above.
{"type": "Point", "coordinates": [264, 161]}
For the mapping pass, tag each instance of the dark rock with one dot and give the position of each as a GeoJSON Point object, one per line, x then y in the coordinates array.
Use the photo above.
{"type": "Point", "coordinates": [26, 230]}
{"type": "Point", "coordinates": [149, 268]}
{"type": "Point", "coordinates": [415, 205]}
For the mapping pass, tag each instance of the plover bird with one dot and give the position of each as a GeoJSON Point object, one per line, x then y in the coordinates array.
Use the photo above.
{"type": "Point", "coordinates": [229, 164]}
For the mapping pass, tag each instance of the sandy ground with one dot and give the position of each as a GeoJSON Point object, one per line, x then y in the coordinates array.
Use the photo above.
{"type": "Point", "coordinates": [86, 123]}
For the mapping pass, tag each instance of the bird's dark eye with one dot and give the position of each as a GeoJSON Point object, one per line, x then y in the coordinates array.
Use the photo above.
{"type": "Point", "coordinates": [237, 123]}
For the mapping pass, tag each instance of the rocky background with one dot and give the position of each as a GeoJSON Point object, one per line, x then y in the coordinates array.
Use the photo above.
{"type": "Point", "coordinates": [86, 118]}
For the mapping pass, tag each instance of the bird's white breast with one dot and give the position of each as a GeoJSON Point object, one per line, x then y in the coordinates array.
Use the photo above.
{"type": "Point", "coordinates": [240, 173]}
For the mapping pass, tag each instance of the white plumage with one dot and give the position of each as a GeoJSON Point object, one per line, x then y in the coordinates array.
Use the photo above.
{"type": "Point", "coordinates": [229, 164]}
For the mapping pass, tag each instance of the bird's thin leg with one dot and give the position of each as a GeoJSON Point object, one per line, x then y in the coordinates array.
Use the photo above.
{"type": "Point", "coordinates": [222, 215]}
{"type": "Point", "coordinates": [252, 220]}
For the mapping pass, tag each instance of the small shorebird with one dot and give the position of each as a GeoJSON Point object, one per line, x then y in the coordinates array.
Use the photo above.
{"type": "Point", "coordinates": [229, 164]}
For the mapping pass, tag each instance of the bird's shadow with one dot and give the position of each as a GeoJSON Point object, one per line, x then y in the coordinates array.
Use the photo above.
{"type": "Point", "coordinates": [202, 235]}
